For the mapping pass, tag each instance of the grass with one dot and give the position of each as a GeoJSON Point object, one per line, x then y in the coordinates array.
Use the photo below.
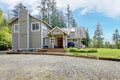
{"type": "Point", "coordinates": [102, 52]}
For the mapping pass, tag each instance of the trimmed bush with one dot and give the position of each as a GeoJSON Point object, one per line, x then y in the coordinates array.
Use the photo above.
{"type": "Point", "coordinates": [81, 50]}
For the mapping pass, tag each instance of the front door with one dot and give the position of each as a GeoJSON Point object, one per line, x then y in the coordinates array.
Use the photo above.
{"type": "Point", "coordinates": [60, 42]}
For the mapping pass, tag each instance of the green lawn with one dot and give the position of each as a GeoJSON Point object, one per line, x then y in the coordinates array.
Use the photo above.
{"type": "Point", "coordinates": [102, 52]}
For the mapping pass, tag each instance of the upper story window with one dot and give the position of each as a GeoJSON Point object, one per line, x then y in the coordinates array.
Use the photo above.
{"type": "Point", "coordinates": [35, 26]}
{"type": "Point", "coordinates": [15, 28]}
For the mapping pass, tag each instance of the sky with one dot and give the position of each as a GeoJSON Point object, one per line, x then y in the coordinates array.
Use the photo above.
{"type": "Point", "coordinates": [87, 13]}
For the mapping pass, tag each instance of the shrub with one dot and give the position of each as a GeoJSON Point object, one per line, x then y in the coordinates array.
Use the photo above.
{"type": "Point", "coordinates": [81, 50]}
{"type": "Point", "coordinates": [5, 38]}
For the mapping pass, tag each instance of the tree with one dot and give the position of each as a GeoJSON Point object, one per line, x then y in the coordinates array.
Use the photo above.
{"type": "Point", "coordinates": [70, 20]}
{"type": "Point", "coordinates": [73, 23]}
{"type": "Point", "coordinates": [94, 42]}
{"type": "Point", "coordinates": [116, 38]}
{"type": "Point", "coordinates": [51, 14]}
{"type": "Point", "coordinates": [5, 38]}
{"type": "Point", "coordinates": [17, 8]}
{"type": "Point", "coordinates": [9, 16]}
{"type": "Point", "coordinates": [1, 19]}
{"type": "Point", "coordinates": [87, 39]}
{"type": "Point", "coordinates": [98, 35]}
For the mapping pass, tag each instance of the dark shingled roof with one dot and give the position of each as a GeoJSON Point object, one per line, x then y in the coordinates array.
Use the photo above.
{"type": "Point", "coordinates": [76, 32]}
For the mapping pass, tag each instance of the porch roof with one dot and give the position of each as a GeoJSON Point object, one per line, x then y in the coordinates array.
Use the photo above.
{"type": "Point", "coordinates": [49, 33]}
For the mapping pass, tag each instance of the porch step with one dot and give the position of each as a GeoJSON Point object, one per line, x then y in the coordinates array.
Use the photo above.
{"type": "Point", "coordinates": [55, 50]}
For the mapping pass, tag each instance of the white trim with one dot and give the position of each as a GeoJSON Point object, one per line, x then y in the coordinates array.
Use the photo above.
{"type": "Point", "coordinates": [41, 36]}
{"type": "Point", "coordinates": [14, 28]}
{"type": "Point", "coordinates": [32, 26]}
{"type": "Point", "coordinates": [66, 41]}
{"type": "Point", "coordinates": [44, 41]}
{"type": "Point", "coordinates": [53, 41]}
{"type": "Point", "coordinates": [19, 32]}
{"type": "Point", "coordinates": [12, 37]}
{"type": "Point", "coordinates": [63, 41]}
{"type": "Point", "coordinates": [57, 28]}
{"type": "Point", "coordinates": [28, 30]}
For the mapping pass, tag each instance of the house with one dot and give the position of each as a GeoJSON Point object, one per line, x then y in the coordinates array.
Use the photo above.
{"type": "Point", "coordinates": [29, 32]}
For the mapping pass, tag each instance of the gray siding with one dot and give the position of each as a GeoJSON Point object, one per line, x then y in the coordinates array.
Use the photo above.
{"type": "Point", "coordinates": [35, 40]}
{"type": "Point", "coordinates": [14, 39]}
{"type": "Point", "coordinates": [35, 37]}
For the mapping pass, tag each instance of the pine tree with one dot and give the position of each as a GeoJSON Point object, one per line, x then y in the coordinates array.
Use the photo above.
{"type": "Point", "coordinates": [68, 15]}
{"type": "Point", "coordinates": [70, 20]}
{"type": "Point", "coordinates": [98, 35]}
{"type": "Point", "coordinates": [51, 14]}
{"type": "Point", "coordinates": [116, 35]}
{"type": "Point", "coordinates": [73, 23]}
{"type": "Point", "coordinates": [17, 8]}
{"type": "Point", "coordinates": [116, 38]}
{"type": "Point", "coordinates": [87, 39]}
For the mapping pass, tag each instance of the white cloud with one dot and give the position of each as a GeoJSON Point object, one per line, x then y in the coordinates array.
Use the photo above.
{"type": "Point", "coordinates": [110, 8]}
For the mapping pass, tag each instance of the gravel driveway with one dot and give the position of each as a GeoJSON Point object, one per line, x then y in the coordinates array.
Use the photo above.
{"type": "Point", "coordinates": [47, 67]}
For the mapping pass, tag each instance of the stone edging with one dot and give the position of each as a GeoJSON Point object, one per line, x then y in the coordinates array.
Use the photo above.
{"type": "Point", "coordinates": [64, 54]}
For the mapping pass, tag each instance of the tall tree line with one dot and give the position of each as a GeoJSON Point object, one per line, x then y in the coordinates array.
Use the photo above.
{"type": "Point", "coordinates": [51, 14]}
{"type": "Point", "coordinates": [69, 18]}
{"type": "Point", "coordinates": [48, 12]}
{"type": "Point", "coordinates": [55, 17]}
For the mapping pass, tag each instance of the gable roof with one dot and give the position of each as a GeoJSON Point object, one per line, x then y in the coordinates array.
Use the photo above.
{"type": "Point", "coordinates": [13, 20]}
{"type": "Point", "coordinates": [59, 29]}
{"type": "Point", "coordinates": [42, 21]}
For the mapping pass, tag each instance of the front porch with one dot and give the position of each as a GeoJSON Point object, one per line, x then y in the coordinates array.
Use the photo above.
{"type": "Point", "coordinates": [58, 38]}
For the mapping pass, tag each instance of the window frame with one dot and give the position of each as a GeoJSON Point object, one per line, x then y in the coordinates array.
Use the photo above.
{"type": "Point", "coordinates": [15, 28]}
{"type": "Point", "coordinates": [32, 26]}
{"type": "Point", "coordinates": [44, 41]}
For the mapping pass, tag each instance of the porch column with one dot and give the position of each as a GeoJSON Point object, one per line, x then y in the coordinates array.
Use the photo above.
{"type": "Point", "coordinates": [63, 41]}
{"type": "Point", "coordinates": [66, 42]}
{"type": "Point", "coordinates": [79, 42]}
{"type": "Point", "coordinates": [52, 41]}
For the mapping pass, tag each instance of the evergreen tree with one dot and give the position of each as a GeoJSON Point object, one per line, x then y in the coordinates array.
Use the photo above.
{"type": "Point", "coordinates": [70, 20]}
{"type": "Point", "coordinates": [87, 39]}
{"type": "Point", "coordinates": [116, 35]}
{"type": "Point", "coordinates": [9, 16]}
{"type": "Point", "coordinates": [17, 8]}
{"type": "Point", "coordinates": [98, 35]}
{"type": "Point", "coordinates": [61, 20]}
{"type": "Point", "coordinates": [116, 38]}
{"type": "Point", "coordinates": [1, 19]}
{"type": "Point", "coordinates": [73, 23]}
{"type": "Point", "coordinates": [51, 14]}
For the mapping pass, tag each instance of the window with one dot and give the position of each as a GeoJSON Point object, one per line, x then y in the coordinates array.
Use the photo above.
{"type": "Point", "coordinates": [74, 40]}
{"type": "Point", "coordinates": [72, 30]}
{"type": "Point", "coordinates": [35, 26]}
{"type": "Point", "coordinates": [15, 28]}
{"type": "Point", "coordinates": [44, 41]}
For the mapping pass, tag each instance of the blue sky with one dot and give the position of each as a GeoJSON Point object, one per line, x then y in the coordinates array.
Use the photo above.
{"type": "Point", "coordinates": [90, 20]}
{"type": "Point", "coordinates": [87, 13]}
